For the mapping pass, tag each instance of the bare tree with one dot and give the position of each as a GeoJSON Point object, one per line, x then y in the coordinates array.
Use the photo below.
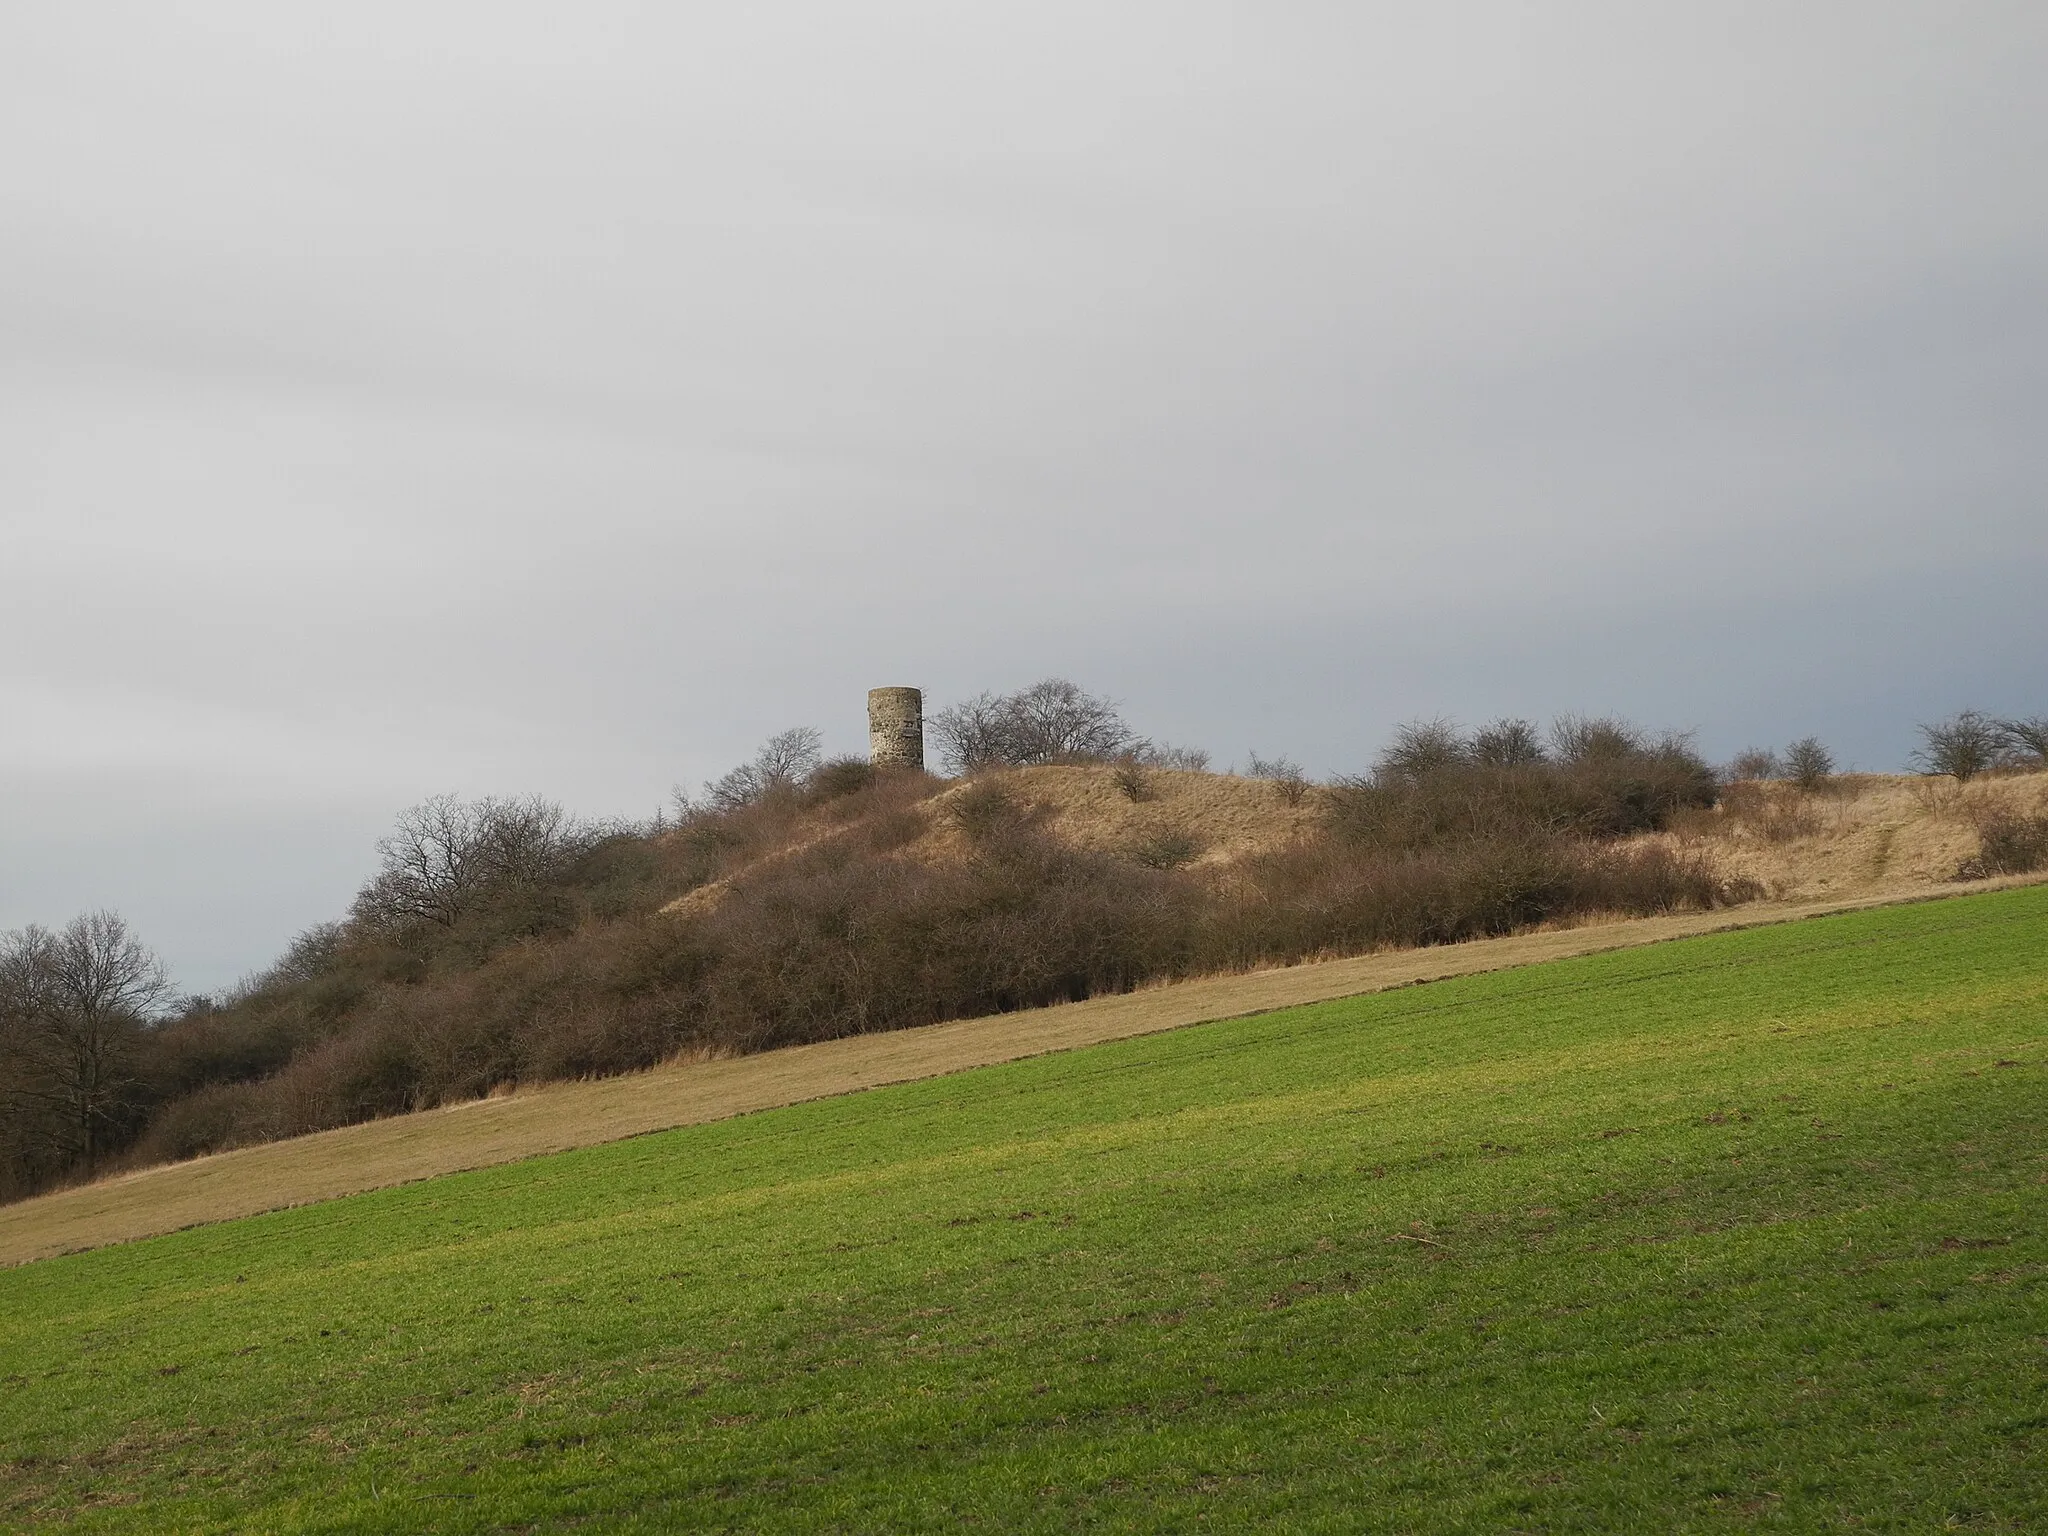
{"type": "Point", "coordinates": [973, 733]}
{"type": "Point", "coordinates": [790, 757]}
{"type": "Point", "coordinates": [1050, 722]}
{"type": "Point", "coordinates": [786, 761]}
{"type": "Point", "coordinates": [74, 1004]}
{"type": "Point", "coordinates": [1809, 764]}
{"type": "Point", "coordinates": [447, 852]}
{"type": "Point", "coordinates": [1962, 746]}
{"type": "Point", "coordinates": [2028, 738]}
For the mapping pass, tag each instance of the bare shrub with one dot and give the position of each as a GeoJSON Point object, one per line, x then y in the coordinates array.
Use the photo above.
{"type": "Point", "coordinates": [840, 776]}
{"type": "Point", "coordinates": [1284, 774]}
{"type": "Point", "coordinates": [2008, 843]}
{"type": "Point", "coordinates": [1183, 759]}
{"type": "Point", "coordinates": [1808, 763]}
{"type": "Point", "coordinates": [1604, 779]}
{"type": "Point", "coordinates": [1421, 749]}
{"type": "Point", "coordinates": [1167, 850]}
{"type": "Point", "coordinates": [1582, 739]}
{"type": "Point", "coordinates": [1962, 746]}
{"type": "Point", "coordinates": [1329, 897]}
{"type": "Point", "coordinates": [1507, 744]}
{"type": "Point", "coordinates": [1753, 764]}
{"type": "Point", "coordinates": [986, 812]}
{"type": "Point", "coordinates": [1130, 779]}
{"type": "Point", "coordinates": [2027, 739]}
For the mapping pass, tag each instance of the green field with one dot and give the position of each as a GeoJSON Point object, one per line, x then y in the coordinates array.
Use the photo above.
{"type": "Point", "coordinates": [1738, 1232]}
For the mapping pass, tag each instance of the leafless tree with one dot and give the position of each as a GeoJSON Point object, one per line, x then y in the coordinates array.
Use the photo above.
{"type": "Point", "coordinates": [446, 852]}
{"type": "Point", "coordinates": [73, 1005]}
{"type": "Point", "coordinates": [1962, 746]}
{"type": "Point", "coordinates": [1054, 720]}
{"type": "Point", "coordinates": [790, 757]}
{"type": "Point", "coordinates": [786, 761]}
{"type": "Point", "coordinates": [2028, 738]}
{"type": "Point", "coordinates": [1050, 722]}
{"type": "Point", "coordinates": [1808, 763]}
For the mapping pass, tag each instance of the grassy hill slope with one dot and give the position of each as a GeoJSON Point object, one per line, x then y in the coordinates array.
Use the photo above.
{"type": "Point", "coordinates": [1745, 1230]}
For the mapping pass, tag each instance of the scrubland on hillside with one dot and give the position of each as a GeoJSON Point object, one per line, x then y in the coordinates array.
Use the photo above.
{"type": "Point", "coordinates": [1863, 834]}
{"type": "Point", "coordinates": [502, 944]}
{"type": "Point", "coordinates": [1736, 1231]}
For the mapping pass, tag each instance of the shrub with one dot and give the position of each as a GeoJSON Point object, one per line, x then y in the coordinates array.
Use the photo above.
{"type": "Point", "coordinates": [2027, 739]}
{"type": "Point", "coordinates": [1752, 764]}
{"type": "Point", "coordinates": [1507, 744]}
{"type": "Point", "coordinates": [841, 776]}
{"type": "Point", "coordinates": [1285, 775]}
{"type": "Point", "coordinates": [1809, 764]}
{"type": "Point", "coordinates": [1167, 850]}
{"type": "Point", "coordinates": [1768, 814]}
{"type": "Point", "coordinates": [1186, 759]}
{"type": "Point", "coordinates": [988, 813]}
{"type": "Point", "coordinates": [2008, 843]}
{"type": "Point", "coordinates": [1962, 746]}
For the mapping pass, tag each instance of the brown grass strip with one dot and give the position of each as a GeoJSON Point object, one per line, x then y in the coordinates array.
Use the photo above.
{"type": "Point", "coordinates": [558, 1116]}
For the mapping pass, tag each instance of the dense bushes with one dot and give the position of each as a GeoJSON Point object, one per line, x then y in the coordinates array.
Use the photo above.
{"type": "Point", "coordinates": [1598, 778]}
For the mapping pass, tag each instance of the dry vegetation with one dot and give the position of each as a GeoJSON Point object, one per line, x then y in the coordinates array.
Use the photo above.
{"type": "Point", "coordinates": [800, 901]}
{"type": "Point", "coordinates": [1863, 834]}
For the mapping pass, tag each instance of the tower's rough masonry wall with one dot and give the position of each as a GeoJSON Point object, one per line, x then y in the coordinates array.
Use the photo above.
{"type": "Point", "coordinates": [896, 727]}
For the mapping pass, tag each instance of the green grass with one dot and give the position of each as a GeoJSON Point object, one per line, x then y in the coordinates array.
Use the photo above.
{"type": "Point", "coordinates": [1744, 1232]}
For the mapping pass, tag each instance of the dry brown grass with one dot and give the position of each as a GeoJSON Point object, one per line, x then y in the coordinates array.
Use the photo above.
{"type": "Point", "coordinates": [1222, 817]}
{"type": "Point", "coordinates": [1228, 818]}
{"type": "Point", "coordinates": [556, 1117]}
{"type": "Point", "coordinates": [1864, 835]}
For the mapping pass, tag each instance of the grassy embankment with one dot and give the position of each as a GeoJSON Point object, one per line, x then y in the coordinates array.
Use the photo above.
{"type": "Point", "coordinates": [1743, 1230]}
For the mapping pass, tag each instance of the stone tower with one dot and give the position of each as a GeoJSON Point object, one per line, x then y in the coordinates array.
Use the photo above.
{"type": "Point", "coordinates": [896, 727]}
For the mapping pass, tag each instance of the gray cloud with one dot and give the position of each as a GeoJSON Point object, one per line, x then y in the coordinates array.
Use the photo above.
{"type": "Point", "coordinates": [502, 397]}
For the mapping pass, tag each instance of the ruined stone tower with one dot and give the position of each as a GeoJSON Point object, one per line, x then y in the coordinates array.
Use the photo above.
{"type": "Point", "coordinates": [896, 727]}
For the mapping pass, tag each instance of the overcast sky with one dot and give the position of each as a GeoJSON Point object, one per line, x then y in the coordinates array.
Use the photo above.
{"type": "Point", "coordinates": [399, 398]}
